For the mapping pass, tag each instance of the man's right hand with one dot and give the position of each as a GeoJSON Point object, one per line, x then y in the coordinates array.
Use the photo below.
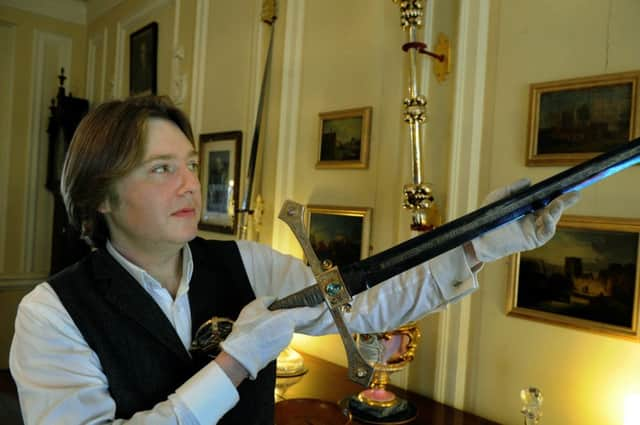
{"type": "Point", "coordinates": [528, 232]}
{"type": "Point", "coordinates": [259, 335]}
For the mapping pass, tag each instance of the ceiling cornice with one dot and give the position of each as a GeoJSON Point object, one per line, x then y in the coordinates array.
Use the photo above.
{"type": "Point", "coordinates": [74, 11]}
{"type": "Point", "coordinates": [96, 8]}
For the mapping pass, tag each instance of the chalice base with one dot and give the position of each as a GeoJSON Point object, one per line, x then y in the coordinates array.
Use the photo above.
{"type": "Point", "coordinates": [400, 411]}
{"type": "Point", "coordinates": [378, 397]}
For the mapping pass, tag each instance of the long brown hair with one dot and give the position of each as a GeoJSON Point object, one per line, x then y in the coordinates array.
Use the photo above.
{"type": "Point", "coordinates": [109, 142]}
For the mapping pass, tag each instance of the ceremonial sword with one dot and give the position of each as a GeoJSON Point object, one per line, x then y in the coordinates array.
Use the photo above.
{"type": "Point", "coordinates": [336, 287]}
{"type": "Point", "coordinates": [268, 16]}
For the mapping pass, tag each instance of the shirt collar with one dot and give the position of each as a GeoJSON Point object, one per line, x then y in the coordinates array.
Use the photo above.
{"type": "Point", "coordinates": [145, 279]}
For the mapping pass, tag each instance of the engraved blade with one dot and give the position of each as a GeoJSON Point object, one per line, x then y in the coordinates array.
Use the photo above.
{"type": "Point", "coordinates": [366, 273]}
{"type": "Point", "coordinates": [309, 296]}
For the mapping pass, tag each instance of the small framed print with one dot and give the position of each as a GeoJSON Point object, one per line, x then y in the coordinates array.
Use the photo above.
{"type": "Point", "coordinates": [344, 138]}
{"type": "Point", "coordinates": [586, 277]}
{"type": "Point", "coordinates": [143, 60]}
{"type": "Point", "coordinates": [339, 234]}
{"type": "Point", "coordinates": [573, 120]}
{"type": "Point", "coordinates": [219, 177]}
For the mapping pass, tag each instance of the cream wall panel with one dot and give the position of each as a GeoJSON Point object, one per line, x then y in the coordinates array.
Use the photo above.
{"type": "Point", "coordinates": [440, 17]}
{"type": "Point", "coordinates": [621, 53]}
{"type": "Point", "coordinates": [282, 122]}
{"type": "Point", "coordinates": [584, 377]}
{"type": "Point", "coordinates": [17, 175]}
{"type": "Point", "coordinates": [39, 41]}
{"type": "Point", "coordinates": [7, 51]}
{"type": "Point", "coordinates": [232, 65]}
{"type": "Point", "coordinates": [454, 140]}
{"type": "Point", "coordinates": [36, 47]}
{"type": "Point", "coordinates": [344, 47]}
{"type": "Point", "coordinates": [339, 71]}
{"type": "Point", "coordinates": [352, 59]}
{"type": "Point", "coordinates": [10, 299]}
{"type": "Point", "coordinates": [51, 53]}
{"type": "Point", "coordinates": [12, 289]}
{"type": "Point", "coordinates": [228, 73]}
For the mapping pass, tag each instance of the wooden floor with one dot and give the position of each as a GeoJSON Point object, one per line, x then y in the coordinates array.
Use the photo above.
{"type": "Point", "coordinates": [9, 406]}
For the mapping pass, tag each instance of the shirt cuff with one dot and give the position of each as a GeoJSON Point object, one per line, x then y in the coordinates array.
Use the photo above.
{"type": "Point", "coordinates": [208, 394]}
{"type": "Point", "coordinates": [453, 275]}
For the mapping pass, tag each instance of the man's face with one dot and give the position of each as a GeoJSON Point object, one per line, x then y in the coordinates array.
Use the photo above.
{"type": "Point", "coordinates": [158, 203]}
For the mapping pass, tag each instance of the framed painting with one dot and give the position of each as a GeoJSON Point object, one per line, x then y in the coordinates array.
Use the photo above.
{"type": "Point", "coordinates": [573, 120]}
{"type": "Point", "coordinates": [344, 138]}
{"type": "Point", "coordinates": [586, 277]}
{"type": "Point", "coordinates": [219, 177]}
{"type": "Point", "coordinates": [339, 234]}
{"type": "Point", "coordinates": [143, 60]}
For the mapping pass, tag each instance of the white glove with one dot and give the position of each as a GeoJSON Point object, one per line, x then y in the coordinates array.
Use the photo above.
{"type": "Point", "coordinates": [529, 232]}
{"type": "Point", "coordinates": [259, 335]}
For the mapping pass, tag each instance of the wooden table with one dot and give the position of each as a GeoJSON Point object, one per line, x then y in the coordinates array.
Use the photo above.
{"type": "Point", "coordinates": [329, 382]}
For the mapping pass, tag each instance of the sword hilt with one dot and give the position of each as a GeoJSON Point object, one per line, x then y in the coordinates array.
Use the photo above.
{"type": "Point", "coordinates": [332, 288]}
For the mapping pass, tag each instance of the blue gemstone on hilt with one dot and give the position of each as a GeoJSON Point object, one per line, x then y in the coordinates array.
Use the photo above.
{"type": "Point", "coordinates": [333, 288]}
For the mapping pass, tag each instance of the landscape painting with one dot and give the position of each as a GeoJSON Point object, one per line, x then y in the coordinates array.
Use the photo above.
{"type": "Point", "coordinates": [344, 139]}
{"type": "Point", "coordinates": [586, 276]}
{"type": "Point", "coordinates": [573, 120]}
{"type": "Point", "coordinates": [339, 234]}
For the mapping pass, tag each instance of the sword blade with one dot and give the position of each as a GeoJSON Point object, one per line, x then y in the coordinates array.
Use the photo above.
{"type": "Point", "coordinates": [364, 274]}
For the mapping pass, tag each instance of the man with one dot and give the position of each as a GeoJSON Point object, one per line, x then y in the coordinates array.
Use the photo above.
{"type": "Point", "coordinates": [107, 339]}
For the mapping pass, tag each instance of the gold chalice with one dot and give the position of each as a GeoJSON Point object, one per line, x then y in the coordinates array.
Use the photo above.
{"type": "Point", "coordinates": [387, 352]}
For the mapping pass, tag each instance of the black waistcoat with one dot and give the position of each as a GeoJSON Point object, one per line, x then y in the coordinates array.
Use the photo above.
{"type": "Point", "coordinates": [140, 352]}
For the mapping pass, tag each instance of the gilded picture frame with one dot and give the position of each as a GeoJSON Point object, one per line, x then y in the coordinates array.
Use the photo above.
{"type": "Point", "coordinates": [143, 60]}
{"type": "Point", "coordinates": [339, 234]}
{"type": "Point", "coordinates": [344, 138]}
{"type": "Point", "coordinates": [586, 277]}
{"type": "Point", "coordinates": [573, 120]}
{"type": "Point", "coordinates": [220, 156]}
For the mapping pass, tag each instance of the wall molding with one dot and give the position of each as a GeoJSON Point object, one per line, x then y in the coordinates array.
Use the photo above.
{"type": "Point", "coordinates": [257, 60]}
{"type": "Point", "coordinates": [464, 187]}
{"type": "Point", "coordinates": [91, 69]}
{"type": "Point", "coordinates": [101, 39]}
{"type": "Point", "coordinates": [7, 126]}
{"type": "Point", "coordinates": [179, 81]}
{"type": "Point", "coordinates": [199, 63]}
{"type": "Point", "coordinates": [288, 119]}
{"type": "Point", "coordinates": [43, 45]}
{"type": "Point", "coordinates": [21, 280]}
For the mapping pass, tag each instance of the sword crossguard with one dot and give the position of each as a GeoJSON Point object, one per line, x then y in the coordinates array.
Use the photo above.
{"type": "Point", "coordinates": [334, 292]}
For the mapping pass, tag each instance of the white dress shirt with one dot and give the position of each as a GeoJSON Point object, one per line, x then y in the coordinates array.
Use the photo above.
{"type": "Point", "coordinates": [60, 378]}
